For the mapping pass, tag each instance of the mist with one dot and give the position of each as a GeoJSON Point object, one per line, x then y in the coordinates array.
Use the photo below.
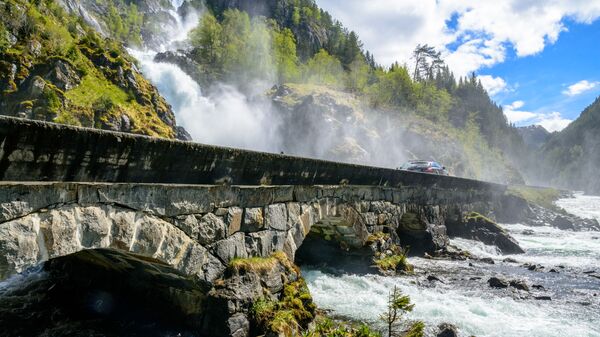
{"type": "Point", "coordinates": [246, 113]}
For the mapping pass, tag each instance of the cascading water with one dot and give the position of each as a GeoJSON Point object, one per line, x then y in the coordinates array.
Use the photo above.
{"type": "Point", "coordinates": [465, 299]}
{"type": "Point", "coordinates": [222, 117]}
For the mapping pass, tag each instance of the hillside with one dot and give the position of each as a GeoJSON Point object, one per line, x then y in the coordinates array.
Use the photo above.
{"type": "Point", "coordinates": [57, 68]}
{"type": "Point", "coordinates": [572, 156]}
{"type": "Point", "coordinates": [534, 136]}
{"type": "Point", "coordinates": [421, 113]}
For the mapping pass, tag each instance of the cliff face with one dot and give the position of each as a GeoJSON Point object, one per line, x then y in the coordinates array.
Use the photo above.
{"type": "Point", "coordinates": [54, 67]}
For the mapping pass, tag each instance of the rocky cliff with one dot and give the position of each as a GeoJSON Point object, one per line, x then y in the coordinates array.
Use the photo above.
{"type": "Point", "coordinates": [57, 68]}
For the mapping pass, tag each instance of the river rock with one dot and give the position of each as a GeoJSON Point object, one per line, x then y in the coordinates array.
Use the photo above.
{"type": "Point", "coordinates": [520, 285]}
{"type": "Point", "coordinates": [447, 330]}
{"type": "Point", "coordinates": [487, 260]}
{"type": "Point", "coordinates": [477, 227]}
{"type": "Point", "coordinates": [496, 282]}
{"type": "Point", "coordinates": [432, 278]}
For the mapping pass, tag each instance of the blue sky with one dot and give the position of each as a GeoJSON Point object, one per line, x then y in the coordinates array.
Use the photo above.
{"type": "Point", "coordinates": [537, 58]}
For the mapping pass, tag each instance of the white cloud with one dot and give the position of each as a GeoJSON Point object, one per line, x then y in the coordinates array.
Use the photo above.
{"type": "Point", "coordinates": [482, 32]}
{"type": "Point", "coordinates": [493, 85]}
{"type": "Point", "coordinates": [580, 87]}
{"type": "Point", "coordinates": [550, 121]}
{"type": "Point", "coordinates": [515, 116]}
{"type": "Point", "coordinates": [553, 122]}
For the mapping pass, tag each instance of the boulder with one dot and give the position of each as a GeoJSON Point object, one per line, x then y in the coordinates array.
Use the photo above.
{"type": "Point", "coordinates": [477, 227]}
{"type": "Point", "coordinates": [520, 285]}
{"type": "Point", "coordinates": [447, 330]}
{"type": "Point", "coordinates": [496, 282]}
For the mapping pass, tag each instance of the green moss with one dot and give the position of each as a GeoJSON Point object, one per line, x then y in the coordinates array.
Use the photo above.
{"type": "Point", "coordinates": [396, 262]}
{"type": "Point", "coordinates": [92, 88]}
{"type": "Point", "coordinates": [291, 314]}
{"type": "Point", "coordinates": [478, 217]}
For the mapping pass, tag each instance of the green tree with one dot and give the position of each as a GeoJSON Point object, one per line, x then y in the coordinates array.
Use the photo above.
{"type": "Point", "coordinates": [358, 75]}
{"type": "Point", "coordinates": [236, 33]}
{"type": "Point", "coordinates": [285, 57]}
{"type": "Point", "coordinates": [393, 88]}
{"type": "Point", "coordinates": [324, 69]}
{"type": "Point", "coordinates": [207, 40]}
{"type": "Point", "coordinates": [398, 305]}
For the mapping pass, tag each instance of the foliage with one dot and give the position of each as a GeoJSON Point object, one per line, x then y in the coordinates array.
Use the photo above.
{"type": "Point", "coordinates": [50, 40]}
{"type": "Point", "coordinates": [290, 315]}
{"type": "Point", "coordinates": [398, 305]}
{"type": "Point", "coordinates": [327, 327]}
{"type": "Point", "coordinates": [416, 330]}
{"type": "Point", "coordinates": [324, 69]}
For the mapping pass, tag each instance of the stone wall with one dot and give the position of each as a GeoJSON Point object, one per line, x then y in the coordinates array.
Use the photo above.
{"type": "Point", "coordinates": [41, 151]}
{"type": "Point", "coordinates": [199, 229]}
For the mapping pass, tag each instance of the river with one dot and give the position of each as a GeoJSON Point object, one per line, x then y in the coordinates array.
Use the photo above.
{"type": "Point", "coordinates": [464, 298]}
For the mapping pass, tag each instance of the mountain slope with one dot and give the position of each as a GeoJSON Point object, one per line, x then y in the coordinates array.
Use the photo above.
{"type": "Point", "coordinates": [572, 156]}
{"type": "Point", "coordinates": [55, 67]}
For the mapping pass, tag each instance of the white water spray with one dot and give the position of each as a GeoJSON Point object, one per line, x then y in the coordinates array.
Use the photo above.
{"type": "Point", "coordinates": [225, 116]}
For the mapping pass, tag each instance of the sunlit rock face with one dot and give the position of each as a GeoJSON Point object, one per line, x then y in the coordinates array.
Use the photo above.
{"type": "Point", "coordinates": [102, 293]}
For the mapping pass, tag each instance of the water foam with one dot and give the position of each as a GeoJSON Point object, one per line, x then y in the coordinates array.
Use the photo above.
{"type": "Point", "coordinates": [474, 311]}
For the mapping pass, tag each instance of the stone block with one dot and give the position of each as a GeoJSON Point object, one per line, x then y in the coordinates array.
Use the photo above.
{"type": "Point", "coordinates": [276, 217]}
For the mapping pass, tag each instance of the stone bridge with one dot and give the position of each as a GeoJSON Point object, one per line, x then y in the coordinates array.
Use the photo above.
{"type": "Point", "coordinates": [197, 207]}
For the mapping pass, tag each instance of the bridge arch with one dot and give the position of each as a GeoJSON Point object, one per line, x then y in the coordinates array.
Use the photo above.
{"type": "Point", "coordinates": [37, 237]}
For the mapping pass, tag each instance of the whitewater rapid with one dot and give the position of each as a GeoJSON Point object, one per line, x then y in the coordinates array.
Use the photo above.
{"type": "Point", "coordinates": [465, 299]}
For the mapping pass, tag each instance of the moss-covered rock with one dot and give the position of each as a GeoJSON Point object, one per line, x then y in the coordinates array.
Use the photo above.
{"type": "Point", "coordinates": [59, 69]}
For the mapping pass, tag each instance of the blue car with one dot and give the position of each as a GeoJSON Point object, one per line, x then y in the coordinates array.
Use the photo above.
{"type": "Point", "coordinates": [425, 166]}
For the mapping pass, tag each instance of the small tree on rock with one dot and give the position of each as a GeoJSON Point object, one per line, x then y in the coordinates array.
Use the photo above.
{"type": "Point", "coordinates": [398, 305]}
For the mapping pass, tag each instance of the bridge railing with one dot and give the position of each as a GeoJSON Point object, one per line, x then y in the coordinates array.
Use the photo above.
{"type": "Point", "coordinates": [41, 151]}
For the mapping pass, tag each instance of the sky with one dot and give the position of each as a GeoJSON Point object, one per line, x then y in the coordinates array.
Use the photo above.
{"type": "Point", "coordinates": [538, 59]}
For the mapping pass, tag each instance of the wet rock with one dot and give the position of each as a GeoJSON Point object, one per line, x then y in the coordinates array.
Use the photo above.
{"type": "Point", "coordinates": [520, 285]}
{"type": "Point", "coordinates": [475, 278]}
{"type": "Point", "coordinates": [553, 270]}
{"type": "Point", "coordinates": [433, 278]}
{"type": "Point", "coordinates": [538, 286]}
{"type": "Point", "coordinates": [563, 223]}
{"type": "Point", "coordinates": [543, 298]}
{"type": "Point", "coordinates": [496, 282]}
{"type": "Point", "coordinates": [533, 267]}
{"type": "Point", "coordinates": [528, 232]}
{"type": "Point", "coordinates": [447, 330]}
{"type": "Point", "coordinates": [487, 260]}
{"type": "Point", "coordinates": [477, 227]}
{"type": "Point", "coordinates": [510, 260]}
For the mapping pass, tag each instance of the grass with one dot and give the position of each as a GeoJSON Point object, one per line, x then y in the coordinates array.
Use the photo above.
{"type": "Point", "coordinates": [260, 265]}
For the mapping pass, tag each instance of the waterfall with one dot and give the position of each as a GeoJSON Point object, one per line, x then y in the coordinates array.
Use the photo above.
{"type": "Point", "coordinates": [220, 116]}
